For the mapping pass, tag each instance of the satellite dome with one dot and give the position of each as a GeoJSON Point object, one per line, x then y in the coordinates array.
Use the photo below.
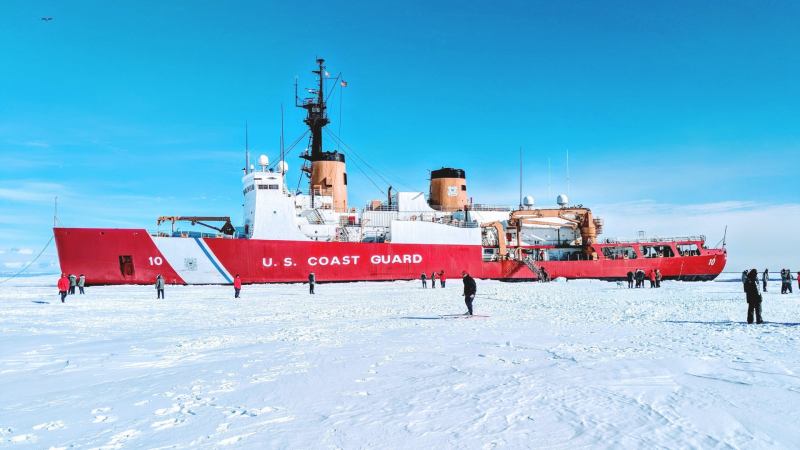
{"type": "Point", "coordinates": [263, 161]}
{"type": "Point", "coordinates": [562, 200]}
{"type": "Point", "coordinates": [283, 167]}
{"type": "Point", "coordinates": [527, 200]}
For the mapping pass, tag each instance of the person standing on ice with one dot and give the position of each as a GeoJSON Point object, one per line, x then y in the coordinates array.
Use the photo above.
{"type": "Point", "coordinates": [470, 288]}
{"type": "Point", "coordinates": [442, 278]}
{"type": "Point", "coordinates": [63, 287]}
{"type": "Point", "coordinates": [424, 279]}
{"type": "Point", "coordinates": [237, 286]}
{"type": "Point", "coordinates": [658, 278]}
{"type": "Point", "coordinates": [630, 279]}
{"type": "Point", "coordinates": [764, 280]}
{"type": "Point", "coordinates": [744, 279]}
{"type": "Point", "coordinates": [652, 278]}
{"type": "Point", "coordinates": [783, 281]}
{"type": "Point", "coordinates": [433, 280]}
{"type": "Point", "coordinates": [72, 282]}
{"type": "Point", "coordinates": [312, 280]}
{"type": "Point", "coordinates": [159, 287]}
{"type": "Point", "coordinates": [753, 297]}
{"type": "Point", "coordinates": [81, 283]}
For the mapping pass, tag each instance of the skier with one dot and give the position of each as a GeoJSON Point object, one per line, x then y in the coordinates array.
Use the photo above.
{"type": "Point", "coordinates": [237, 286]}
{"type": "Point", "coordinates": [63, 287]}
{"type": "Point", "coordinates": [470, 288]}
{"type": "Point", "coordinates": [652, 278]}
{"type": "Point", "coordinates": [159, 287]}
{"type": "Point", "coordinates": [424, 279]}
{"type": "Point", "coordinates": [72, 282]}
{"type": "Point", "coordinates": [442, 278]}
{"type": "Point", "coordinates": [433, 280]}
{"type": "Point", "coordinates": [753, 297]}
{"type": "Point", "coordinates": [658, 278]}
{"type": "Point", "coordinates": [312, 280]}
{"type": "Point", "coordinates": [81, 283]}
{"type": "Point", "coordinates": [765, 279]}
{"type": "Point", "coordinates": [630, 279]}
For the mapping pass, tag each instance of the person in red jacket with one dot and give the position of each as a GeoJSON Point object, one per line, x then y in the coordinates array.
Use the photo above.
{"type": "Point", "coordinates": [652, 278]}
{"type": "Point", "coordinates": [237, 286]}
{"type": "Point", "coordinates": [63, 286]}
{"type": "Point", "coordinates": [442, 278]}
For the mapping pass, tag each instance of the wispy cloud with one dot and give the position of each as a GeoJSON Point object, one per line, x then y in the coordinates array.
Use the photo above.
{"type": "Point", "coordinates": [31, 191]}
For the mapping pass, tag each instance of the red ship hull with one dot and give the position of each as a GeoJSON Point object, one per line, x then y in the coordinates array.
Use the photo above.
{"type": "Point", "coordinates": [133, 256]}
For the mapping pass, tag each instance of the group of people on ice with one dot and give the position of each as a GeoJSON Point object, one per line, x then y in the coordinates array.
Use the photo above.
{"type": "Point", "coordinates": [434, 276]}
{"type": "Point", "coordinates": [67, 284]}
{"type": "Point", "coordinates": [753, 294]}
{"type": "Point", "coordinates": [638, 276]}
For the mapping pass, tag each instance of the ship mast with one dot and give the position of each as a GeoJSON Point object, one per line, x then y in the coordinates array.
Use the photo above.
{"type": "Point", "coordinates": [327, 175]}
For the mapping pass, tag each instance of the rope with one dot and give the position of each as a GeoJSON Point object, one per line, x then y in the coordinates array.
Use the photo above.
{"type": "Point", "coordinates": [30, 263]}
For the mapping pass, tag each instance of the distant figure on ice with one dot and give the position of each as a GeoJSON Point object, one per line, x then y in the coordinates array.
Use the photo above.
{"type": "Point", "coordinates": [433, 280]}
{"type": "Point", "coordinates": [753, 296]}
{"type": "Point", "coordinates": [744, 278]}
{"type": "Point", "coordinates": [237, 286]}
{"type": "Point", "coordinates": [784, 289]}
{"type": "Point", "coordinates": [789, 280]}
{"type": "Point", "coordinates": [470, 288]}
{"type": "Point", "coordinates": [765, 279]}
{"type": "Point", "coordinates": [652, 278]}
{"type": "Point", "coordinates": [630, 279]}
{"type": "Point", "coordinates": [312, 280]}
{"type": "Point", "coordinates": [63, 287]}
{"type": "Point", "coordinates": [72, 282]}
{"type": "Point", "coordinates": [545, 276]}
{"type": "Point", "coordinates": [442, 278]}
{"type": "Point", "coordinates": [81, 283]}
{"type": "Point", "coordinates": [424, 279]}
{"type": "Point", "coordinates": [159, 287]}
{"type": "Point", "coordinates": [658, 278]}
{"type": "Point", "coordinates": [639, 278]}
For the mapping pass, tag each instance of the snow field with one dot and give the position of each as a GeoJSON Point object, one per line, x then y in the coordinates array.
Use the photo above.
{"type": "Point", "coordinates": [376, 365]}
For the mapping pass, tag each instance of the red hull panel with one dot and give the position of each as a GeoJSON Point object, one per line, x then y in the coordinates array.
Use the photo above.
{"type": "Point", "coordinates": [96, 252]}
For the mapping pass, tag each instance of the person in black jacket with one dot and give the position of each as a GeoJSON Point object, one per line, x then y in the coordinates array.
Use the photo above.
{"type": "Point", "coordinates": [312, 280]}
{"type": "Point", "coordinates": [630, 279]}
{"type": "Point", "coordinates": [765, 279]}
{"type": "Point", "coordinates": [470, 288]}
{"type": "Point", "coordinates": [753, 296]}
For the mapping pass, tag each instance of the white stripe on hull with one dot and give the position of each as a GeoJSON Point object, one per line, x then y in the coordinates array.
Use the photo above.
{"type": "Point", "coordinates": [193, 260]}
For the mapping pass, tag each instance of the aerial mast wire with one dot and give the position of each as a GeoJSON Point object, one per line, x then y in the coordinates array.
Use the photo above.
{"type": "Point", "coordinates": [283, 161]}
{"type": "Point", "coordinates": [246, 149]}
{"type": "Point", "coordinates": [520, 177]}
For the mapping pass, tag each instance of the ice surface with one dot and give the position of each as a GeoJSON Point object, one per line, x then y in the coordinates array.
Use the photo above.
{"type": "Point", "coordinates": [375, 365]}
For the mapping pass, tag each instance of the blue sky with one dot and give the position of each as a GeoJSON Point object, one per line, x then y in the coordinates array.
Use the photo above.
{"type": "Point", "coordinates": [128, 111]}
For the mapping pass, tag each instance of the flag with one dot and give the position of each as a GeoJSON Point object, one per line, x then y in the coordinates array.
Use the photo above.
{"type": "Point", "coordinates": [344, 83]}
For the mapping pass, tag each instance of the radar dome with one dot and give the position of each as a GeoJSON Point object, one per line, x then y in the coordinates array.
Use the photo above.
{"type": "Point", "coordinates": [263, 161]}
{"type": "Point", "coordinates": [562, 200]}
{"type": "Point", "coordinates": [283, 167]}
{"type": "Point", "coordinates": [527, 200]}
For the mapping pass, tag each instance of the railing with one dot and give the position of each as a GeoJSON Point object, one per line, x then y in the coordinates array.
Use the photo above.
{"type": "Point", "coordinates": [193, 234]}
{"type": "Point", "coordinates": [483, 207]}
{"type": "Point", "coordinates": [700, 238]}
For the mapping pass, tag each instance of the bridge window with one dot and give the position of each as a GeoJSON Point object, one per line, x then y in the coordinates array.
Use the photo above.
{"type": "Point", "coordinates": [688, 250]}
{"type": "Point", "coordinates": [619, 252]}
{"type": "Point", "coordinates": [657, 251]}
